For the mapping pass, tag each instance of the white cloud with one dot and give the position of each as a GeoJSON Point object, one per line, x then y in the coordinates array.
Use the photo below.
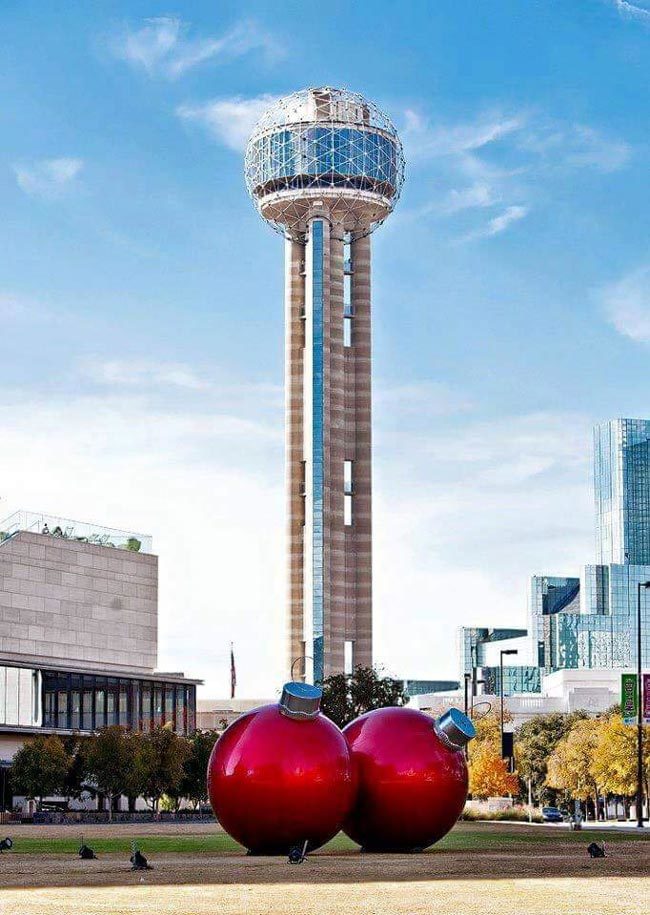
{"type": "Point", "coordinates": [48, 177]}
{"type": "Point", "coordinates": [465, 512]}
{"type": "Point", "coordinates": [505, 160]}
{"type": "Point", "coordinates": [138, 373]}
{"type": "Point", "coordinates": [633, 11]}
{"type": "Point", "coordinates": [574, 146]}
{"type": "Point", "coordinates": [498, 224]}
{"type": "Point", "coordinates": [424, 141]}
{"type": "Point", "coordinates": [161, 45]}
{"type": "Point", "coordinates": [627, 305]}
{"type": "Point", "coordinates": [421, 398]}
{"type": "Point", "coordinates": [205, 481]}
{"type": "Point", "coordinates": [228, 120]}
{"type": "Point", "coordinates": [478, 195]}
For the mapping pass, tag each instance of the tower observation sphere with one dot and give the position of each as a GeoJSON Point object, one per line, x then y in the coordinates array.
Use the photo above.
{"type": "Point", "coordinates": [327, 145]}
{"type": "Point", "coordinates": [325, 167]}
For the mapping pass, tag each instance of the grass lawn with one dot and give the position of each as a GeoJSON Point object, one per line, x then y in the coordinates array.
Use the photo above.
{"type": "Point", "coordinates": [465, 837]}
{"type": "Point", "coordinates": [478, 869]}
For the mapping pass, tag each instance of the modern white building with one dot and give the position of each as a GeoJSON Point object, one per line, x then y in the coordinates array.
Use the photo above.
{"type": "Point", "coordinates": [592, 691]}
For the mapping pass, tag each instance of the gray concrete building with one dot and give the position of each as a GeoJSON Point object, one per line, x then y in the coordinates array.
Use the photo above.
{"type": "Point", "coordinates": [78, 635]}
{"type": "Point", "coordinates": [325, 167]}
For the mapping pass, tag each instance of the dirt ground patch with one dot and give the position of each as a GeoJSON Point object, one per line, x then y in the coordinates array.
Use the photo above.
{"type": "Point", "coordinates": [543, 873]}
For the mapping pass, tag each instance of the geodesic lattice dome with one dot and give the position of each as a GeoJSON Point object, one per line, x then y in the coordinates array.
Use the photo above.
{"type": "Point", "coordinates": [327, 151]}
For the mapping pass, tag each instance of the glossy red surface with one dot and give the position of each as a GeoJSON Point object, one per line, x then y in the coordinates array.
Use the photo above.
{"type": "Point", "coordinates": [411, 788]}
{"type": "Point", "coordinates": [275, 782]}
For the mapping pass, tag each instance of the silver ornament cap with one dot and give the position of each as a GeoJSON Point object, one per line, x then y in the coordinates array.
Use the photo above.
{"type": "Point", "coordinates": [300, 700]}
{"type": "Point", "coordinates": [454, 729]}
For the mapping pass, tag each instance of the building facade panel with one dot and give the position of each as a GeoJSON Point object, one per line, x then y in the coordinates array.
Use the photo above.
{"type": "Point", "coordinates": [88, 609]}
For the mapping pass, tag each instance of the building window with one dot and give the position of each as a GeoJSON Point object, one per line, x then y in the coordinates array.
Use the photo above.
{"type": "Point", "coordinates": [157, 705]}
{"type": "Point", "coordinates": [100, 702]}
{"type": "Point", "coordinates": [347, 510]}
{"type": "Point", "coordinates": [62, 709]}
{"type": "Point", "coordinates": [169, 705]}
{"type": "Point", "coordinates": [85, 702]}
{"type": "Point", "coordinates": [111, 702]}
{"type": "Point", "coordinates": [146, 718]}
{"type": "Point", "coordinates": [181, 711]}
{"type": "Point", "coordinates": [123, 709]}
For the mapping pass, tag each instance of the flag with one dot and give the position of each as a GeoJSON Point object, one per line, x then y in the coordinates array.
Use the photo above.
{"type": "Point", "coordinates": [233, 672]}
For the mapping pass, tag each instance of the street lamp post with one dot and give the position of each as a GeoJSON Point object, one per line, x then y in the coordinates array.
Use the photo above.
{"type": "Point", "coordinates": [503, 652]}
{"type": "Point", "coordinates": [639, 719]}
{"type": "Point", "coordinates": [467, 678]}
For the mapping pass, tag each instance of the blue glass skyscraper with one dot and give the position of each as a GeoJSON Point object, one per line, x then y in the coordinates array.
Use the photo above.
{"type": "Point", "coordinates": [622, 491]}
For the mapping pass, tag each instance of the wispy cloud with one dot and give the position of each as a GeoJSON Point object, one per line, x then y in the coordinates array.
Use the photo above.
{"type": "Point", "coordinates": [627, 305]}
{"type": "Point", "coordinates": [48, 177]}
{"type": "Point", "coordinates": [161, 45]}
{"type": "Point", "coordinates": [120, 372]}
{"type": "Point", "coordinates": [424, 141]}
{"type": "Point", "coordinates": [421, 398]}
{"type": "Point", "coordinates": [498, 224]}
{"type": "Point", "coordinates": [633, 11]}
{"type": "Point", "coordinates": [160, 378]}
{"type": "Point", "coordinates": [574, 146]}
{"type": "Point", "coordinates": [480, 194]}
{"type": "Point", "coordinates": [228, 120]}
{"type": "Point", "coordinates": [500, 161]}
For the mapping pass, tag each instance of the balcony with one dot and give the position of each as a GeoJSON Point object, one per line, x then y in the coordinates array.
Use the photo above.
{"type": "Point", "coordinates": [66, 529]}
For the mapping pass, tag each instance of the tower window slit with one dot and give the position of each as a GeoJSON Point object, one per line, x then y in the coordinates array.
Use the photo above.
{"type": "Point", "coordinates": [348, 491]}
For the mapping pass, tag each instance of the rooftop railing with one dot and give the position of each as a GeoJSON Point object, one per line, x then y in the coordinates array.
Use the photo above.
{"type": "Point", "coordinates": [67, 529]}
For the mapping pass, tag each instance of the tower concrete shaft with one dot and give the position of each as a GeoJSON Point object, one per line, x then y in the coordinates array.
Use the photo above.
{"type": "Point", "coordinates": [328, 450]}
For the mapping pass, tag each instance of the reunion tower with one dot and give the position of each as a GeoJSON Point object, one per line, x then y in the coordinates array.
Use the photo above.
{"type": "Point", "coordinates": [325, 167]}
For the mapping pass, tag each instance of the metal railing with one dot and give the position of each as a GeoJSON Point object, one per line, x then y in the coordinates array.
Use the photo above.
{"type": "Point", "coordinates": [67, 529]}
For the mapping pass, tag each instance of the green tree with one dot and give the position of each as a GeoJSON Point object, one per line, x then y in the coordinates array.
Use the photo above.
{"type": "Point", "coordinates": [111, 763]}
{"type": "Point", "coordinates": [76, 778]}
{"type": "Point", "coordinates": [346, 696]}
{"type": "Point", "coordinates": [39, 768]}
{"type": "Point", "coordinates": [159, 764]}
{"type": "Point", "coordinates": [535, 741]}
{"type": "Point", "coordinates": [193, 784]}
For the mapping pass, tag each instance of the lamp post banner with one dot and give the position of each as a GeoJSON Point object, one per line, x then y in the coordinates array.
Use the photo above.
{"type": "Point", "coordinates": [629, 698]}
{"type": "Point", "coordinates": [646, 698]}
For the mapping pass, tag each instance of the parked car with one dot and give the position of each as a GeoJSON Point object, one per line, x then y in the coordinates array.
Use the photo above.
{"type": "Point", "coordinates": [552, 815]}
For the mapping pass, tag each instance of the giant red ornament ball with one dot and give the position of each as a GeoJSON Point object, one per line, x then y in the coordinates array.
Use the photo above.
{"type": "Point", "coordinates": [281, 775]}
{"type": "Point", "coordinates": [412, 777]}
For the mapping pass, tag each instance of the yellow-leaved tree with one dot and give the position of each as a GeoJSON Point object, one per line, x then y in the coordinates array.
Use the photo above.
{"type": "Point", "coordinates": [489, 775]}
{"type": "Point", "coordinates": [615, 755]}
{"type": "Point", "coordinates": [570, 766]}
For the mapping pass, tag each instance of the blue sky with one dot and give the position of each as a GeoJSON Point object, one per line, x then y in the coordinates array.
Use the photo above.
{"type": "Point", "coordinates": [141, 297]}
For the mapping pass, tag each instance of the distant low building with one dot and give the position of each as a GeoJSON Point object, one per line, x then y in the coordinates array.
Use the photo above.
{"type": "Point", "coordinates": [217, 714]}
{"type": "Point", "coordinates": [591, 691]}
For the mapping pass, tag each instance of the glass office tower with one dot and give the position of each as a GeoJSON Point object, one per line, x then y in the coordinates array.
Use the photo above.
{"type": "Point", "coordinates": [591, 622]}
{"type": "Point", "coordinates": [622, 491]}
{"type": "Point", "coordinates": [325, 167]}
